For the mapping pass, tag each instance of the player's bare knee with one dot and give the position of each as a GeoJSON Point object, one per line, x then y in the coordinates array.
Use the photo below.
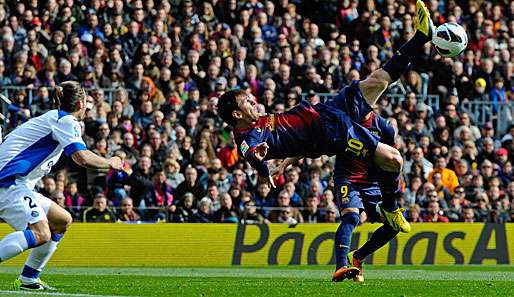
{"type": "Point", "coordinates": [66, 223]}
{"type": "Point", "coordinates": [62, 225]}
{"type": "Point", "coordinates": [395, 160]}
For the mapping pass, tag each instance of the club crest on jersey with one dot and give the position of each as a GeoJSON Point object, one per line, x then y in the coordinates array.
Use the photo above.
{"type": "Point", "coordinates": [244, 147]}
{"type": "Point", "coordinates": [270, 122]}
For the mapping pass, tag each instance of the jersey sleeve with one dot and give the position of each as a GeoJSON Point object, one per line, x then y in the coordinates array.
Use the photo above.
{"type": "Point", "coordinates": [247, 150]}
{"type": "Point", "coordinates": [68, 133]}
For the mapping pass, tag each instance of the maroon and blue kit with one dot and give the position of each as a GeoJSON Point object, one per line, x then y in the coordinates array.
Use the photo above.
{"type": "Point", "coordinates": [311, 131]}
{"type": "Point", "coordinates": [355, 179]}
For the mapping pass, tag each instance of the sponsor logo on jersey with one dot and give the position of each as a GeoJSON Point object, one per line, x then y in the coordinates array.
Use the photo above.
{"type": "Point", "coordinates": [34, 214]}
{"type": "Point", "coordinates": [244, 147]}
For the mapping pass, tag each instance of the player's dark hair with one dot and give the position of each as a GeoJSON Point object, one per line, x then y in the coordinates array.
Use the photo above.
{"type": "Point", "coordinates": [66, 95]}
{"type": "Point", "coordinates": [227, 104]}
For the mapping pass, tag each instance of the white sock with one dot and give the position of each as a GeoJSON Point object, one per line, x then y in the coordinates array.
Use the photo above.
{"type": "Point", "coordinates": [37, 261]}
{"type": "Point", "coordinates": [14, 244]}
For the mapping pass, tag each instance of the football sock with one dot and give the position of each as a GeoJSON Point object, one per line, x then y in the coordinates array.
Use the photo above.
{"type": "Point", "coordinates": [389, 186]}
{"type": "Point", "coordinates": [15, 243]}
{"type": "Point", "coordinates": [380, 237]}
{"type": "Point", "coordinates": [343, 238]}
{"type": "Point", "coordinates": [401, 60]}
{"type": "Point", "coordinates": [38, 259]}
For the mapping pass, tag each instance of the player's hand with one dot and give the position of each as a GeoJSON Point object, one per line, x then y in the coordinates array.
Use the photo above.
{"type": "Point", "coordinates": [266, 180]}
{"type": "Point", "coordinates": [116, 163]}
{"type": "Point", "coordinates": [261, 151]}
{"type": "Point", "coordinates": [279, 170]}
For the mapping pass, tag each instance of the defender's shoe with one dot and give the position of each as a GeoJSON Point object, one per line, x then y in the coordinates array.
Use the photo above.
{"type": "Point", "coordinates": [38, 285]}
{"type": "Point", "coordinates": [345, 273]}
{"type": "Point", "coordinates": [423, 21]}
{"type": "Point", "coordinates": [357, 264]}
{"type": "Point", "coordinates": [396, 219]}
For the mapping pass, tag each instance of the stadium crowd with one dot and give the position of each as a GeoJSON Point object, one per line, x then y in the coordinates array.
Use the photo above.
{"type": "Point", "coordinates": [167, 62]}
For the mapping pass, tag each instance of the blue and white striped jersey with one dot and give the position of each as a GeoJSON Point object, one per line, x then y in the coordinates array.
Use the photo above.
{"type": "Point", "coordinates": [29, 152]}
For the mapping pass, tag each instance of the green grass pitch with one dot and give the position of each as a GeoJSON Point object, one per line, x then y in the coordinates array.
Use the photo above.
{"type": "Point", "coordinates": [275, 281]}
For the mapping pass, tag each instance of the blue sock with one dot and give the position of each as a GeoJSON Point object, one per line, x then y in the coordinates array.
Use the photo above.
{"type": "Point", "coordinates": [30, 272]}
{"type": "Point", "coordinates": [380, 237]}
{"type": "Point", "coordinates": [389, 186]}
{"type": "Point", "coordinates": [401, 60]}
{"type": "Point", "coordinates": [29, 236]}
{"type": "Point", "coordinates": [343, 237]}
{"type": "Point", "coordinates": [57, 237]}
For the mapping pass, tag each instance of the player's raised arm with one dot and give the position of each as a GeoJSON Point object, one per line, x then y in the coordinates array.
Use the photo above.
{"type": "Point", "coordinates": [71, 102]}
{"type": "Point", "coordinates": [88, 159]}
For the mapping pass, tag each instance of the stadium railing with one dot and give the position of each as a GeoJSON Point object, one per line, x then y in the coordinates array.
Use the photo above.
{"type": "Point", "coordinates": [430, 100]}
{"type": "Point", "coordinates": [163, 213]}
{"type": "Point", "coordinates": [486, 111]}
{"type": "Point", "coordinates": [31, 95]}
{"type": "Point", "coordinates": [9, 92]}
{"type": "Point", "coordinates": [480, 111]}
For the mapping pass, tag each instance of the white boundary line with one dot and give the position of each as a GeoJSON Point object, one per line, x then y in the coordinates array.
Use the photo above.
{"type": "Point", "coordinates": [32, 293]}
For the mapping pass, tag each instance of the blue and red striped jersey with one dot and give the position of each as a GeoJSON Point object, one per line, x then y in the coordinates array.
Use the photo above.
{"type": "Point", "coordinates": [287, 134]}
{"type": "Point", "coordinates": [359, 170]}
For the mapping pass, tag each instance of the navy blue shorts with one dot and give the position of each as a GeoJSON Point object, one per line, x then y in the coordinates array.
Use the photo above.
{"type": "Point", "coordinates": [363, 197]}
{"type": "Point", "coordinates": [340, 120]}
{"type": "Point", "coordinates": [351, 101]}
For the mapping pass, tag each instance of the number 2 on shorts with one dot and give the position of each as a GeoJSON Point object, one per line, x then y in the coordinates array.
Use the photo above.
{"type": "Point", "coordinates": [31, 204]}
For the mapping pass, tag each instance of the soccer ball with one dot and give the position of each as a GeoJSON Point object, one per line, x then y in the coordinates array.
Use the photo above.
{"type": "Point", "coordinates": [450, 40]}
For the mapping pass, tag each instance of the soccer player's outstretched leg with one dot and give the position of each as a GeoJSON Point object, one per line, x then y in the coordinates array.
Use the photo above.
{"type": "Point", "coordinates": [27, 154]}
{"type": "Point", "coordinates": [348, 180]}
{"type": "Point", "coordinates": [373, 86]}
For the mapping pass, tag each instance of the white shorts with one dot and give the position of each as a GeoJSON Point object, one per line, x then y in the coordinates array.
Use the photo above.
{"type": "Point", "coordinates": [20, 206]}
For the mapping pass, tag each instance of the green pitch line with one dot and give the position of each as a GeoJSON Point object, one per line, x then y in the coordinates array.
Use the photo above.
{"type": "Point", "coordinates": [276, 281]}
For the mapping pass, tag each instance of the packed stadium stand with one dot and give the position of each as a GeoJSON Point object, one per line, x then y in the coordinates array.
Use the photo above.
{"type": "Point", "coordinates": [154, 71]}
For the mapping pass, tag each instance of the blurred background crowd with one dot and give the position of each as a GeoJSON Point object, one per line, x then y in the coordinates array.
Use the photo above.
{"type": "Point", "coordinates": [154, 71]}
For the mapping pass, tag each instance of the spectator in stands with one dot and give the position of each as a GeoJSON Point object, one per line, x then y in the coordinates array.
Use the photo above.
{"type": "Point", "coordinates": [468, 215]}
{"type": "Point", "coordinates": [482, 208]}
{"type": "Point", "coordinates": [128, 214]}
{"type": "Point", "coordinates": [330, 214]}
{"type": "Point", "coordinates": [251, 216]}
{"type": "Point", "coordinates": [434, 214]}
{"type": "Point", "coordinates": [312, 214]}
{"type": "Point", "coordinates": [283, 202]}
{"type": "Point", "coordinates": [48, 186]}
{"type": "Point", "coordinates": [165, 75]}
{"type": "Point", "coordinates": [448, 179]}
{"type": "Point", "coordinates": [99, 212]}
{"type": "Point", "coordinates": [140, 180]}
{"type": "Point", "coordinates": [227, 213]}
{"type": "Point", "coordinates": [157, 198]}
{"type": "Point", "coordinates": [191, 184]}
{"type": "Point", "coordinates": [73, 200]}
{"type": "Point", "coordinates": [204, 214]}
{"type": "Point", "coordinates": [184, 211]}
{"type": "Point", "coordinates": [58, 197]}
{"type": "Point", "coordinates": [414, 214]}
{"type": "Point", "coordinates": [418, 156]}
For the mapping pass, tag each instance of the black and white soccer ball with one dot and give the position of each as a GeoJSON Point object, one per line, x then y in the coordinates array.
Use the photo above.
{"type": "Point", "coordinates": [450, 39]}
